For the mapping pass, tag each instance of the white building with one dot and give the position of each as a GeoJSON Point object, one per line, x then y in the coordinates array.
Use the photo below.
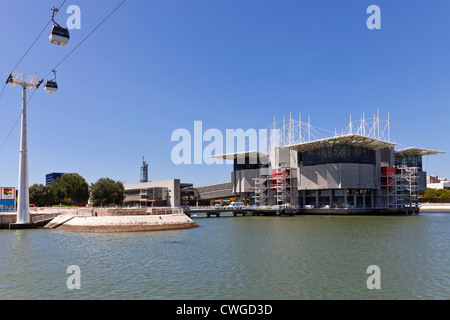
{"type": "Point", "coordinates": [442, 184]}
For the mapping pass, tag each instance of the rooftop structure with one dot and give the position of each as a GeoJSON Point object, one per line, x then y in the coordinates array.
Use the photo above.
{"type": "Point", "coordinates": [144, 171]}
{"type": "Point", "coordinates": [349, 139]}
{"type": "Point", "coordinates": [417, 152]}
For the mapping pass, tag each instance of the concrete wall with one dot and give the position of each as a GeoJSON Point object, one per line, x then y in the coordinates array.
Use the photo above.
{"type": "Point", "coordinates": [279, 156]}
{"type": "Point", "coordinates": [422, 181]}
{"type": "Point", "coordinates": [337, 176]}
{"type": "Point", "coordinates": [242, 180]}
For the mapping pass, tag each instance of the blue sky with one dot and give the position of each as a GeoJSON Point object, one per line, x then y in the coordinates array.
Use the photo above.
{"type": "Point", "coordinates": [156, 66]}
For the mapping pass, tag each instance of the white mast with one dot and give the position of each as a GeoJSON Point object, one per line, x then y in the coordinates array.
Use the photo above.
{"type": "Point", "coordinates": [363, 123]}
{"type": "Point", "coordinates": [389, 127]}
{"type": "Point", "coordinates": [23, 202]}
{"type": "Point", "coordinates": [309, 128]}
{"type": "Point", "coordinates": [300, 126]}
{"type": "Point", "coordinates": [378, 122]}
{"type": "Point", "coordinates": [351, 128]}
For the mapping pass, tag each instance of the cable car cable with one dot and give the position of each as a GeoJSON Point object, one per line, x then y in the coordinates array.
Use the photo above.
{"type": "Point", "coordinates": [82, 41]}
{"type": "Point", "coordinates": [67, 56]}
{"type": "Point", "coordinates": [32, 45]}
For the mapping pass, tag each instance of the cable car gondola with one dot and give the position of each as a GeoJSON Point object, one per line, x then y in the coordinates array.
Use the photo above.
{"type": "Point", "coordinates": [50, 85]}
{"type": "Point", "coordinates": [58, 35]}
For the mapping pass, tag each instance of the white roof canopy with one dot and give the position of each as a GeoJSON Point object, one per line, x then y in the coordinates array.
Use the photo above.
{"type": "Point", "coordinates": [417, 152]}
{"type": "Point", "coordinates": [240, 155]}
{"type": "Point", "coordinates": [350, 139]}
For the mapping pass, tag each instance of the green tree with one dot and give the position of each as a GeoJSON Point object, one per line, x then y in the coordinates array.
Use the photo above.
{"type": "Point", "coordinates": [106, 192]}
{"type": "Point", "coordinates": [429, 194]}
{"type": "Point", "coordinates": [444, 195]}
{"type": "Point", "coordinates": [41, 195]}
{"type": "Point", "coordinates": [70, 188]}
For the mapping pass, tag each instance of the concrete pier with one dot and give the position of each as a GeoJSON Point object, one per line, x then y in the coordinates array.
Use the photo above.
{"type": "Point", "coordinates": [124, 223]}
{"type": "Point", "coordinates": [22, 226]}
{"type": "Point", "coordinates": [8, 220]}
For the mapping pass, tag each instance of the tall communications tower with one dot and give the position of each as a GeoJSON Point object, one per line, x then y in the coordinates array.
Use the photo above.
{"type": "Point", "coordinates": [144, 171]}
{"type": "Point", "coordinates": [23, 203]}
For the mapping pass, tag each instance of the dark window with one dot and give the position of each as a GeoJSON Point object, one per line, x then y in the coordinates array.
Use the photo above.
{"type": "Point", "coordinates": [59, 31]}
{"type": "Point", "coordinates": [51, 84]}
{"type": "Point", "coordinates": [338, 153]}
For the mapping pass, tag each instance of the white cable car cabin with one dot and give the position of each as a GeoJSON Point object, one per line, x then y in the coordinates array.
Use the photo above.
{"type": "Point", "coordinates": [59, 35]}
{"type": "Point", "coordinates": [51, 86]}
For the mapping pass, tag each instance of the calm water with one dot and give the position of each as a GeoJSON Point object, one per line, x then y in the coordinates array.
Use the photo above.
{"type": "Point", "coordinates": [304, 257]}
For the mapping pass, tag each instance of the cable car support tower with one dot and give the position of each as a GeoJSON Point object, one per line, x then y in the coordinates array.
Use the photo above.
{"type": "Point", "coordinates": [23, 204]}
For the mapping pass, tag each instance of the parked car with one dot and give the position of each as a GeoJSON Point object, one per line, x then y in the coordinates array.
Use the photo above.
{"type": "Point", "coordinates": [235, 204]}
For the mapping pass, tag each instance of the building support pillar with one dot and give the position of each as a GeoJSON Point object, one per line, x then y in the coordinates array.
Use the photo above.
{"type": "Point", "coordinates": [304, 197]}
{"type": "Point", "coordinates": [364, 198]}
{"type": "Point", "coordinates": [371, 198]}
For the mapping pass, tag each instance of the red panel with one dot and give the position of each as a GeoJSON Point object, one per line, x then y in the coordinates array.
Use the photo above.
{"type": "Point", "coordinates": [387, 170]}
{"type": "Point", "coordinates": [279, 173]}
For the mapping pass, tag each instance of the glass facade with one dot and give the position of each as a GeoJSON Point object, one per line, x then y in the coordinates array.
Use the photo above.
{"type": "Point", "coordinates": [409, 161]}
{"type": "Point", "coordinates": [238, 165]}
{"type": "Point", "coordinates": [49, 178]}
{"type": "Point", "coordinates": [338, 153]}
{"type": "Point", "coordinates": [154, 193]}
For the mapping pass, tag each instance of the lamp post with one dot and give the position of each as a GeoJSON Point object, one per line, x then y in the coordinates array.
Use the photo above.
{"type": "Point", "coordinates": [23, 204]}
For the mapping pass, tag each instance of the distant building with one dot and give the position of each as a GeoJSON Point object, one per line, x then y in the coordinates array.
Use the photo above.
{"type": "Point", "coordinates": [49, 178]}
{"type": "Point", "coordinates": [432, 179]}
{"type": "Point", "coordinates": [52, 176]}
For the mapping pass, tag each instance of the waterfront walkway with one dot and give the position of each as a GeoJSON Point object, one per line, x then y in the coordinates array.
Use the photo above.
{"type": "Point", "coordinates": [290, 211]}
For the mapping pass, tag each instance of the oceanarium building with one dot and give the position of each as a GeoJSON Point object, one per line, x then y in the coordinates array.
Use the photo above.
{"type": "Point", "coordinates": [358, 169]}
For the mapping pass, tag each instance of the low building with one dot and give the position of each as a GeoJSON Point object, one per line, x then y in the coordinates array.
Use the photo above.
{"type": "Point", "coordinates": [164, 193]}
